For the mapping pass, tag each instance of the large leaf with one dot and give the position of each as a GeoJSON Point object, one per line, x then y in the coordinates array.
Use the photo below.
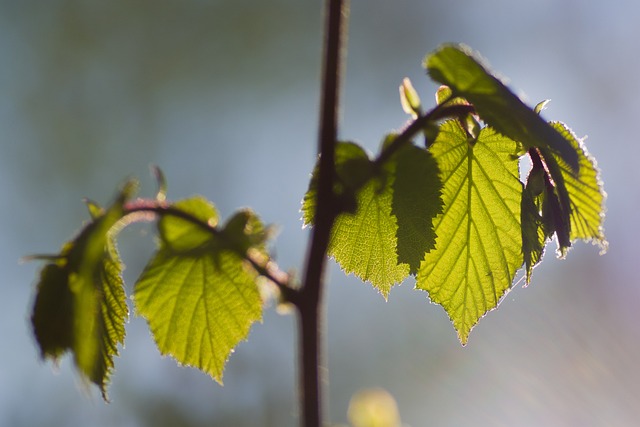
{"type": "Point", "coordinates": [387, 234]}
{"type": "Point", "coordinates": [197, 293]}
{"type": "Point", "coordinates": [478, 244]}
{"type": "Point", "coordinates": [80, 304]}
{"type": "Point", "coordinates": [457, 67]}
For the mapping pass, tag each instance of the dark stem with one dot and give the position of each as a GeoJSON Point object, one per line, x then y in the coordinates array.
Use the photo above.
{"type": "Point", "coordinates": [309, 303]}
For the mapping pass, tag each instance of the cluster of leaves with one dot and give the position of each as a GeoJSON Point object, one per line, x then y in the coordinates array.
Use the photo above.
{"type": "Point", "coordinates": [453, 213]}
{"type": "Point", "coordinates": [199, 292]}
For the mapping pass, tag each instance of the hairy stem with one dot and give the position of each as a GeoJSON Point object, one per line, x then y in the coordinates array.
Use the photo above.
{"type": "Point", "coordinates": [309, 304]}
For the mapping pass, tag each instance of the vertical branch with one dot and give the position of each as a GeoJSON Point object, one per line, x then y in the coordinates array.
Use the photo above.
{"type": "Point", "coordinates": [309, 306]}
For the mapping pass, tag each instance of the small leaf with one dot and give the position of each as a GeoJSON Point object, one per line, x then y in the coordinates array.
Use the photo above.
{"type": "Point", "coordinates": [478, 245]}
{"type": "Point", "coordinates": [161, 194]}
{"type": "Point", "coordinates": [540, 106]}
{"type": "Point", "coordinates": [183, 235]}
{"type": "Point", "coordinates": [353, 170]}
{"type": "Point", "coordinates": [572, 204]}
{"type": "Point", "coordinates": [534, 237]}
{"type": "Point", "coordinates": [52, 316]}
{"type": "Point", "coordinates": [586, 193]}
{"type": "Point", "coordinates": [245, 231]}
{"type": "Point", "coordinates": [80, 302]}
{"type": "Point", "coordinates": [197, 293]}
{"type": "Point", "coordinates": [443, 94]}
{"type": "Point", "coordinates": [457, 67]}
{"type": "Point", "coordinates": [409, 98]}
{"type": "Point", "coordinates": [95, 210]}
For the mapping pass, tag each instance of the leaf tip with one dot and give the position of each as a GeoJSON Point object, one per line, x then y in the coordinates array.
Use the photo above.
{"type": "Point", "coordinates": [161, 181]}
{"type": "Point", "coordinates": [541, 106]}
{"type": "Point", "coordinates": [409, 98]}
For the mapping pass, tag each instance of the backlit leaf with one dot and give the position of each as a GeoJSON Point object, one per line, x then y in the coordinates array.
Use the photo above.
{"type": "Point", "coordinates": [457, 67]}
{"type": "Point", "coordinates": [80, 303]}
{"type": "Point", "coordinates": [198, 295]}
{"type": "Point", "coordinates": [409, 99]}
{"type": "Point", "coordinates": [534, 232]}
{"type": "Point", "coordinates": [416, 201]}
{"type": "Point", "coordinates": [586, 193]}
{"type": "Point", "coordinates": [479, 243]}
{"type": "Point", "coordinates": [363, 242]}
{"type": "Point", "coordinates": [571, 204]}
{"type": "Point", "coordinates": [390, 230]}
{"type": "Point", "coordinates": [353, 170]}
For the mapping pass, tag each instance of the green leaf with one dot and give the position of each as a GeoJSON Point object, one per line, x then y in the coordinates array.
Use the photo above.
{"type": "Point", "coordinates": [198, 295]}
{"type": "Point", "coordinates": [52, 316]}
{"type": "Point", "coordinates": [416, 202]}
{"type": "Point", "coordinates": [586, 192]}
{"type": "Point", "coordinates": [410, 99]}
{"type": "Point", "coordinates": [534, 232]}
{"type": "Point", "coordinates": [457, 67]}
{"type": "Point", "coordinates": [478, 245]}
{"type": "Point", "coordinates": [353, 170]}
{"type": "Point", "coordinates": [571, 204]}
{"type": "Point", "coordinates": [80, 304]}
{"type": "Point", "coordinates": [555, 202]}
{"type": "Point", "coordinates": [390, 229]}
{"type": "Point", "coordinates": [363, 240]}
{"type": "Point", "coordinates": [244, 231]}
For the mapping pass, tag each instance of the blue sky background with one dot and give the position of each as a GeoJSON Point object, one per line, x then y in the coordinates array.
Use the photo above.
{"type": "Point", "coordinates": [224, 97]}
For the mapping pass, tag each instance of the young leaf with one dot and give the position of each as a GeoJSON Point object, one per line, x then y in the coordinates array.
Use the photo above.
{"type": "Point", "coordinates": [571, 204]}
{"type": "Point", "coordinates": [479, 243]}
{"type": "Point", "coordinates": [390, 229]}
{"type": "Point", "coordinates": [409, 99]}
{"type": "Point", "coordinates": [586, 193]}
{"type": "Point", "coordinates": [80, 304]}
{"type": "Point", "coordinates": [197, 294]}
{"type": "Point", "coordinates": [534, 233]}
{"type": "Point", "coordinates": [353, 170]}
{"type": "Point", "coordinates": [456, 67]}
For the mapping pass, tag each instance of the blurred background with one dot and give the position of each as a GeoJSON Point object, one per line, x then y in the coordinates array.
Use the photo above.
{"type": "Point", "coordinates": [224, 97]}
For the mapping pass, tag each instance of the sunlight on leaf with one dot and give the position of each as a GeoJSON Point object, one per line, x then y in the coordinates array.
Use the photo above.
{"type": "Point", "coordinates": [478, 244]}
{"type": "Point", "coordinates": [416, 201]}
{"type": "Point", "coordinates": [457, 67]}
{"type": "Point", "coordinates": [80, 303]}
{"type": "Point", "coordinates": [570, 205]}
{"type": "Point", "coordinates": [197, 293]}
{"type": "Point", "coordinates": [586, 193]}
{"type": "Point", "coordinates": [364, 242]}
{"type": "Point", "coordinates": [409, 99]}
{"type": "Point", "coordinates": [390, 229]}
{"type": "Point", "coordinates": [353, 170]}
